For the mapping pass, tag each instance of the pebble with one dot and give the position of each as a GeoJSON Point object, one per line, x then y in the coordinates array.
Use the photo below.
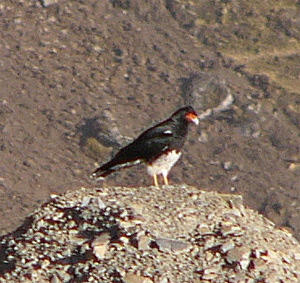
{"type": "Point", "coordinates": [47, 3]}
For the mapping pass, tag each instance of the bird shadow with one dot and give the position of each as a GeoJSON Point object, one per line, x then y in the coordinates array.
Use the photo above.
{"type": "Point", "coordinates": [93, 128]}
{"type": "Point", "coordinates": [87, 130]}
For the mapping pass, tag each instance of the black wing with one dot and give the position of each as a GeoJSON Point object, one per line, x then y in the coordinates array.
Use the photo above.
{"type": "Point", "coordinates": [146, 147]}
{"type": "Point", "coordinates": [153, 142]}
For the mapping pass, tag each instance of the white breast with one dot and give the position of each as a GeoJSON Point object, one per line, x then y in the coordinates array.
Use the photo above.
{"type": "Point", "coordinates": [164, 163]}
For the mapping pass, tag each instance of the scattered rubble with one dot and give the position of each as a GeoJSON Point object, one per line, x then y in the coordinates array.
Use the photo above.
{"type": "Point", "coordinates": [135, 235]}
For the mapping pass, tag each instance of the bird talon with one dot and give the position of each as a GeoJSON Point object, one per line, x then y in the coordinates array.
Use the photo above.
{"type": "Point", "coordinates": [155, 180]}
{"type": "Point", "coordinates": [166, 180]}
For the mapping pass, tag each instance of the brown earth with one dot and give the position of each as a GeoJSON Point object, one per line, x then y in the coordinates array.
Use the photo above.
{"type": "Point", "coordinates": [80, 78]}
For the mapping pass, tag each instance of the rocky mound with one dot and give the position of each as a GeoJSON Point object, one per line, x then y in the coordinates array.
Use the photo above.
{"type": "Point", "coordinates": [174, 234]}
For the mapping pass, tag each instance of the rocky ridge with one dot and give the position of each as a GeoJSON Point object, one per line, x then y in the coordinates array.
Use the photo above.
{"type": "Point", "coordinates": [145, 234]}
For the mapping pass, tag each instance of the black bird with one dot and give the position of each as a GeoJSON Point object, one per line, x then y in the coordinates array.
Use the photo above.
{"type": "Point", "coordinates": [159, 147]}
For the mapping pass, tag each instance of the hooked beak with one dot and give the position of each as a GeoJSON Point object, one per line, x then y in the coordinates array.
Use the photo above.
{"type": "Point", "coordinates": [195, 121]}
{"type": "Point", "coordinates": [192, 117]}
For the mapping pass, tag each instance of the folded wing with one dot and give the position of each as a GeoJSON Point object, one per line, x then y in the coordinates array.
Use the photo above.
{"type": "Point", "coordinates": [145, 148]}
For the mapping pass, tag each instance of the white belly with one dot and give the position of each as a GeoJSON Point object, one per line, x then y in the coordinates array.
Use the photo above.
{"type": "Point", "coordinates": [164, 163]}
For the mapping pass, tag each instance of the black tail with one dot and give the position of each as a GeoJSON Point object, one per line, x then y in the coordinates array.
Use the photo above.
{"type": "Point", "coordinates": [111, 167]}
{"type": "Point", "coordinates": [128, 156]}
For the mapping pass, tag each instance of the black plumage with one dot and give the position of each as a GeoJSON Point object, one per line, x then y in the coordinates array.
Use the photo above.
{"type": "Point", "coordinates": [159, 140]}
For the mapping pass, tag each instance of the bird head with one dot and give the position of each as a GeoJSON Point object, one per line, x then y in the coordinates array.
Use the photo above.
{"type": "Point", "coordinates": [188, 114]}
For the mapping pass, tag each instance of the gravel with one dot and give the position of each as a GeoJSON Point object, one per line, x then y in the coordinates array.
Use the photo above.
{"type": "Point", "coordinates": [135, 235]}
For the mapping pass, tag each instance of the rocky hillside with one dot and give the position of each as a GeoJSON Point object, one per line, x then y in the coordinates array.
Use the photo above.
{"type": "Point", "coordinates": [81, 78]}
{"type": "Point", "coordinates": [145, 234]}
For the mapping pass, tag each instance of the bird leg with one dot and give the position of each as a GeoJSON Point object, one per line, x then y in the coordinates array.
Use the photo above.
{"type": "Point", "coordinates": [155, 180]}
{"type": "Point", "coordinates": [166, 180]}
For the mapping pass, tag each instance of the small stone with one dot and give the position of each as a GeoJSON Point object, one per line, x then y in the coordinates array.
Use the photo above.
{"type": "Point", "coordinates": [209, 276]}
{"type": "Point", "coordinates": [143, 242]}
{"type": "Point", "coordinates": [231, 230]}
{"type": "Point", "coordinates": [101, 204]}
{"type": "Point", "coordinates": [133, 278]}
{"type": "Point", "coordinates": [85, 201]}
{"type": "Point", "coordinates": [294, 166]}
{"type": "Point", "coordinates": [227, 246]}
{"type": "Point", "coordinates": [234, 201]}
{"type": "Point", "coordinates": [47, 3]}
{"type": "Point", "coordinates": [164, 279]}
{"type": "Point", "coordinates": [210, 243]}
{"type": "Point", "coordinates": [170, 244]}
{"type": "Point", "coordinates": [99, 245]}
{"type": "Point", "coordinates": [211, 270]}
{"type": "Point", "coordinates": [209, 256]}
{"type": "Point", "coordinates": [286, 259]}
{"type": "Point", "coordinates": [55, 279]}
{"type": "Point", "coordinates": [244, 263]}
{"type": "Point", "coordinates": [124, 240]}
{"type": "Point", "coordinates": [297, 256]}
{"type": "Point", "coordinates": [53, 196]}
{"type": "Point", "coordinates": [227, 165]}
{"type": "Point", "coordinates": [240, 255]}
{"type": "Point", "coordinates": [204, 229]}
